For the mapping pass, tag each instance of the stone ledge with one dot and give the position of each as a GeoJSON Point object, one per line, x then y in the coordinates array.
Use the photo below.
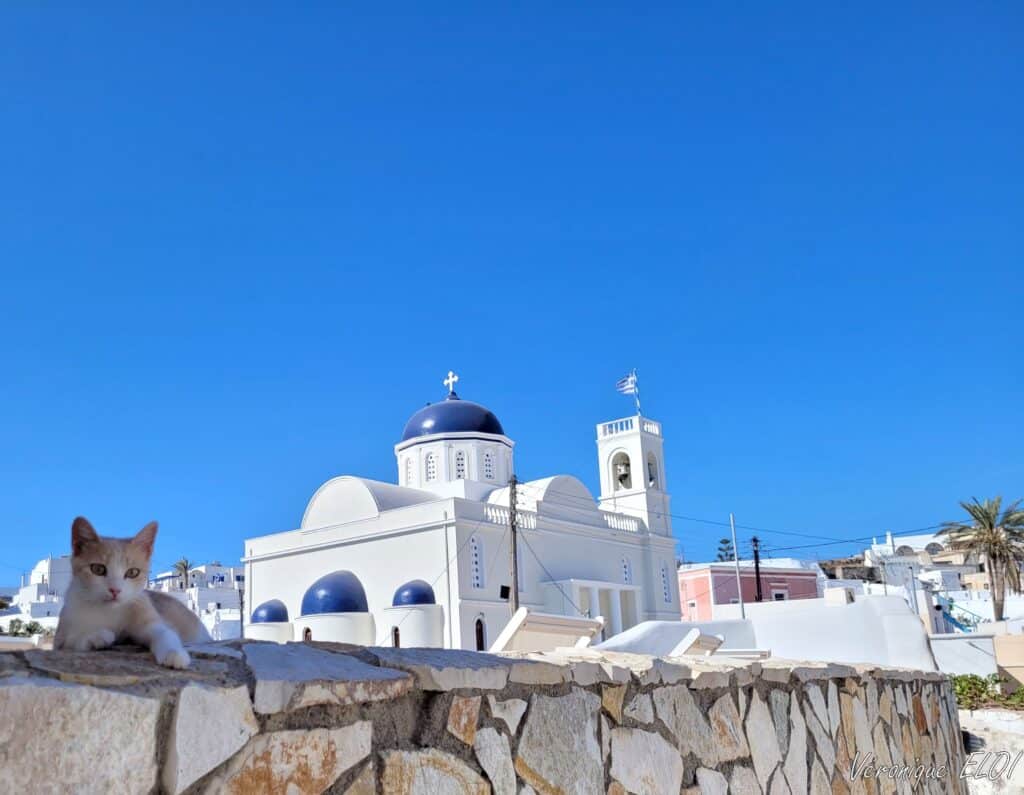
{"type": "Point", "coordinates": [304, 718]}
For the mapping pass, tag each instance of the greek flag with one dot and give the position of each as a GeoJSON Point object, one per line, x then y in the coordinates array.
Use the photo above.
{"type": "Point", "coordinates": [627, 385]}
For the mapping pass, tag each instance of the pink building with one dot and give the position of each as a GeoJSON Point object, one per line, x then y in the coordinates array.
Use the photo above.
{"type": "Point", "coordinates": [702, 586]}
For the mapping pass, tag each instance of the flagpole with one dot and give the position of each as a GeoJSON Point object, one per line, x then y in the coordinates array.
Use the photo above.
{"type": "Point", "coordinates": [636, 391]}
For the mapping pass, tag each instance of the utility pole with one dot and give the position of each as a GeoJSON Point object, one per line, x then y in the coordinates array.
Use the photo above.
{"type": "Point", "coordinates": [758, 596]}
{"type": "Point", "coordinates": [736, 560]}
{"type": "Point", "coordinates": [513, 521]}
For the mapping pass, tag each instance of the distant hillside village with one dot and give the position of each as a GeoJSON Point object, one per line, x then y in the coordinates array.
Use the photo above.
{"type": "Point", "coordinates": [459, 554]}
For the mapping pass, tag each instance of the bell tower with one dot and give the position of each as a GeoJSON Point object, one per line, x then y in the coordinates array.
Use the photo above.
{"type": "Point", "coordinates": [631, 458]}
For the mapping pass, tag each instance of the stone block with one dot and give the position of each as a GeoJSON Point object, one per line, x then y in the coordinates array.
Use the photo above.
{"type": "Point", "coordinates": [298, 762]}
{"type": "Point", "coordinates": [209, 726]}
{"type": "Point", "coordinates": [677, 709]}
{"type": "Point", "coordinates": [762, 739]}
{"type": "Point", "coordinates": [429, 772]}
{"type": "Point", "coordinates": [112, 668]}
{"type": "Point", "coordinates": [552, 758]}
{"type": "Point", "coordinates": [727, 730]}
{"type": "Point", "coordinates": [60, 738]}
{"type": "Point", "coordinates": [447, 669]}
{"type": "Point", "coordinates": [640, 709]}
{"type": "Point", "coordinates": [743, 781]}
{"type": "Point", "coordinates": [645, 763]}
{"type": "Point", "coordinates": [795, 764]}
{"type": "Point", "coordinates": [296, 675]}
{"type": "Point", "coordinates": [494, 754]}
{"type": "Point", "coordinates": [463, 716]}
{"type": "Point", "coordinates": [612, 697]}
{"type": "Point", "coordinates": [711, 782]}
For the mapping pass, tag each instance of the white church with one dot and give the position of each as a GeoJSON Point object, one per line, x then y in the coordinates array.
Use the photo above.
{"type": "Point", "coordinates": [428, 562]}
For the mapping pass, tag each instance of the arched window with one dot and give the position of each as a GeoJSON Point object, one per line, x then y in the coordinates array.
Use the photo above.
{"type": "Point", "coordinates": [307, 634]}
{"type": "Point", "coordinates": [460, 465]}
{"type": "Point", "coordinates": [622, 472]}
{"type": "Point", "coordinates": [489, 465]}
{"type": "Point", "coordinates": [408, 471]}
{"type": "Point", "coordinates": [934, 548]}
{"type": "Point", "coordinates": [395, 641]}
{"type": "Point", "coordinates": [481, 635]}
{"type": "Point", "coordinates": [431, 467]}
{"type": "Point", "coordinates": [905, 551]}
{"type": "Point", "coordinates": [476, 561]}
{"type": "Point", "coordinates": [652, 471]}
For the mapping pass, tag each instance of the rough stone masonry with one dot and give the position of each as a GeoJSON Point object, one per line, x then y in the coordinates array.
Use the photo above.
{"type": "Point", "coordinates": [254, 717]}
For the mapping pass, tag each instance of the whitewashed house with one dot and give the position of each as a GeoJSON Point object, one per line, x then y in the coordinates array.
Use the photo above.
{"type": "Point", "coordinates": [427, 561]}
{"type": "Point", "coordinates": [41, 594]}
{"type": "Point", "coordinates": [212, 591]}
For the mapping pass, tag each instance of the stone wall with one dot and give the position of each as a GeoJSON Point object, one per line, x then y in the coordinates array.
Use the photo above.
{"type": "Point", "coordinates": [254, 717]}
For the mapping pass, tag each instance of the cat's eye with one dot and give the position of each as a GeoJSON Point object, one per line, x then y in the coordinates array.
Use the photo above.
{"type": "Point", "coordinates": [98, 569]}
{"type": "Point", "coordinates": [132, 573]}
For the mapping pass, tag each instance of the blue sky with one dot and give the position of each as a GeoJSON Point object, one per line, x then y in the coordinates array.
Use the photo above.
{"type": "Point", "coordinates": [240, 249]}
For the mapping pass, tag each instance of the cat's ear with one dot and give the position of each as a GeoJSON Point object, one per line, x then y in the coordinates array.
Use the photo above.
{"type": "Point", "coordinates": [82, 533]}
{"type": "Point", "coordinates": [146, 537]}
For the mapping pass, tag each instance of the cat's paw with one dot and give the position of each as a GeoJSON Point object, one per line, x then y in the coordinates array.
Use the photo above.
{"type": "Point", "coordinates": [100, 639]}
{"type": "Point", "coordinates": [174, 658]}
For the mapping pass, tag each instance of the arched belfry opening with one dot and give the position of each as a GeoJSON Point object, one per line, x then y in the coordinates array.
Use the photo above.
{"type": "Point", "coordinates": [631, 457]}
{"type": "Point", "coordinates": [622, 472]}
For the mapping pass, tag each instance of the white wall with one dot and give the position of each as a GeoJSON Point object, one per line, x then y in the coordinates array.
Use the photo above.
{"type": "Point", "coordinates": [382, 562]}
{"type": "Point", "coordinates": [874, 629]}
{"type": "Point", "coordinates": [661, 637]}
{"type": "Point", "coordinates": [971, 653]}
{"type": "Point", "coordinates": [222, 624]}
{"type": "Point", "coordinates": [202, 599]}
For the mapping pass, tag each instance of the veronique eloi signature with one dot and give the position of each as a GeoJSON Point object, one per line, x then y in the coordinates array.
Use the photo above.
{"type": "Point", "coordinates": [991, 765]}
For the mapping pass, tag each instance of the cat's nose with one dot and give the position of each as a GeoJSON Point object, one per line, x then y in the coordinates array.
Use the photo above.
{"type": "Point", "coordinates": [114, 592]}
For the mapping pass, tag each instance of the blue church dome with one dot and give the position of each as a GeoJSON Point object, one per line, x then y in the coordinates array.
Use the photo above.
{"type": "Point", "coordinates": [270, 612]}
{"type": "Point", "coordinates": [452, 415]}
{"type": "Point", "coordinates": [337, 592]}
{"type": "Point", "coordinates": [416, 592]}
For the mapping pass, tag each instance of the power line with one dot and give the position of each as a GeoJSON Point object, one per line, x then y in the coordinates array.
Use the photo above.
{"type": "Point", "coordinates": [829, 539]}
{"type": "Point", "coordinates": [587, 501]}
{"type": "Point", "coordinates": [551, 577]}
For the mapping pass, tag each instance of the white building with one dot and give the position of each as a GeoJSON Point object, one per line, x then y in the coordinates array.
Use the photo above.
{"type": "Point", "coordinates": [212, 591]}
{"type": "Point", "coordinates": [41, 594]}
{"type": "Point", "coordinates": [222, 623]}
{"type": "Point", "coordinates": [444, 533]}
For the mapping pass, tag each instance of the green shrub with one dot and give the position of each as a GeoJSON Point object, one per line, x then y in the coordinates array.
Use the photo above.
{"type": "Point", "coordinates": [973, 691]}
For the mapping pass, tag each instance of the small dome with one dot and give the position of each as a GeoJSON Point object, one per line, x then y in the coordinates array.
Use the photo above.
{"type": "Point", "coordinates": [452, 415]}
{"type": "Point", "coordinates": [337, 592]}
{"type": "Point", "coordinates": [271, 612]}
{"type": "Point", "coordinates": [416, 592]}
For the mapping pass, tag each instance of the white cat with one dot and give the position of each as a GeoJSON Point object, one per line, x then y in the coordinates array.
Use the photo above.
{"type": "Point", "coordinates": [107, 600]}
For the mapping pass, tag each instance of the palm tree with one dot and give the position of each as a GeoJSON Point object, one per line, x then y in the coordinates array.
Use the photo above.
{"type": "Point", "coordinates": [996, 534]}
{"type": "Point", "coordinates": [182, 569]}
